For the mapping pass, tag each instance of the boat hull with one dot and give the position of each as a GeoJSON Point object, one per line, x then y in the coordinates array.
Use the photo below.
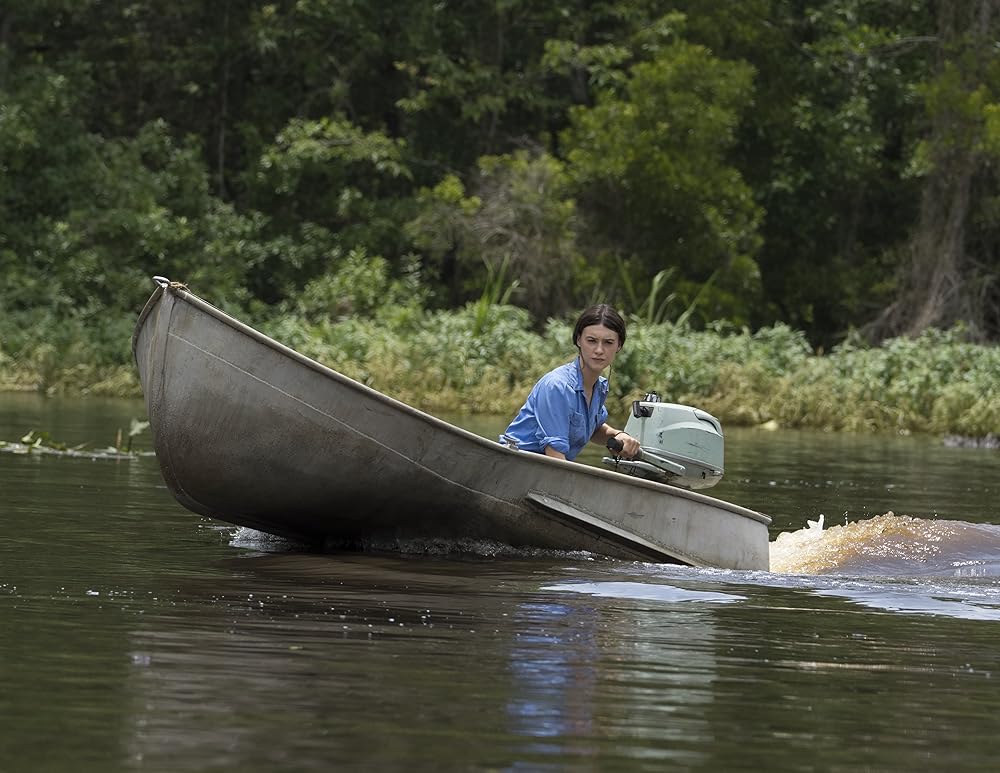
{"type": "Point", "coordinates": [250, 432]}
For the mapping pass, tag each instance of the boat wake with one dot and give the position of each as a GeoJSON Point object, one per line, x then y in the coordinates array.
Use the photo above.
{"type": "Point", "coordinates": [251, 539]}
{"type": "Point", "coordinates": [887, 545]}
{"type": "Point", "coordinates": [890, 545]}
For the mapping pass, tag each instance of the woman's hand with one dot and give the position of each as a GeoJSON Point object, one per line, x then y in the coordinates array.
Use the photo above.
{"type": "Point", "coordinates": [630, 446]}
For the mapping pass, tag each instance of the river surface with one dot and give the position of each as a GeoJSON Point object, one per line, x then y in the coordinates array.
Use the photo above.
{"type": "Point", "coordinates": [135, 635]}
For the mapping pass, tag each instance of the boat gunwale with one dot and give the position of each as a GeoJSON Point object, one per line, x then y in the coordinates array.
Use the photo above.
{"type": "Point", "coordinates": [661, 488]}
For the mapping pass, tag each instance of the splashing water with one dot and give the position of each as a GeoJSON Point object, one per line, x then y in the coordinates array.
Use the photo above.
{"type": "Point", "coordinates": [889, 544]}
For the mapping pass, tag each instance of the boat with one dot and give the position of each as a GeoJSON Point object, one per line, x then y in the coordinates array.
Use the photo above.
{"type": "Point", "coordinates": [252, 433]}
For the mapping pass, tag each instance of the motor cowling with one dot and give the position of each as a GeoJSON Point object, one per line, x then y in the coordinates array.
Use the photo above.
{"type": "Point", "coordinates": [681, 445]}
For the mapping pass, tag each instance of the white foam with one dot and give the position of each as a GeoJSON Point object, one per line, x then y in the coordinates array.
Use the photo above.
{"type": "Point", "coordinates": [245, 537]}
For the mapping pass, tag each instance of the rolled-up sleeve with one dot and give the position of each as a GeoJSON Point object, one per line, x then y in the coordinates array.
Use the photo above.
{"type": "Point", "coordinates": [552, 408]}
{"type": "Point", "coordinates": [556, 414]}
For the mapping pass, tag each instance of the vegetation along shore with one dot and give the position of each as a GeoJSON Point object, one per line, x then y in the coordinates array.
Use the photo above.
{"type": "Point", "coordinates": [797, 206]}
{"type": "Point", "coordinates": [484, 357]}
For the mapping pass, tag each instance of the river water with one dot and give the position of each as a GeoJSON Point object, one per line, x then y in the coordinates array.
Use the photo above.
{"type": "Point", "coordinates": [137, 636]}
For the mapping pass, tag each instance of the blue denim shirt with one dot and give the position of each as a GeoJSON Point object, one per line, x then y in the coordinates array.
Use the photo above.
{"type": "Point", "coordinates": [556, 412]}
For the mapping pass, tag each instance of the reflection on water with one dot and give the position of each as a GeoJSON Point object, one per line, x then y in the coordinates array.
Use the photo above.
{"type": "Point", "coordinates": [535, 665]}
{"type": "Point", "coordinates": [553, 665]}
{"type": "Point", "coordinates": [643, 590]}
{"type": "Point", "coordinates": [921, 598]}
{"type": "Point", "coordinates": [135, 635]}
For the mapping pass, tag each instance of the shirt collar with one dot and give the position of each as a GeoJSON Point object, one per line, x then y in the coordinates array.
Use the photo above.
{"type": "Point", "coordinates": [602, 382]}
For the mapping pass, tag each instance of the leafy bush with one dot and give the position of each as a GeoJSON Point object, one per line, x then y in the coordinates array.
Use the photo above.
{"type": "Point", "coordinates": [484, 357]}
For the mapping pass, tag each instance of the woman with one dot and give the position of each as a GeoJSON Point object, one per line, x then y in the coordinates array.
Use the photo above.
{"type": "Point", "coordinates": [566, 407]}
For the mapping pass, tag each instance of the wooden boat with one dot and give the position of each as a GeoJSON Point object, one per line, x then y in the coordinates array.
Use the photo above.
{"type": "Point", "coordinates": [250, 432]}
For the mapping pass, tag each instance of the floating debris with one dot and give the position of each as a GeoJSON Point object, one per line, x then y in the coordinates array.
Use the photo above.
{"type": "Point", "coordinates": [40, 443]}
{"type": "Point", "coordinates": [965, 441]}
{"type": "Point", "coordinates": [30, 449]}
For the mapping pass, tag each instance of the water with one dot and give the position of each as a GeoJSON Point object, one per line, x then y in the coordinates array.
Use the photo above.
{"type": "Point", "coordinates": [137, 636]}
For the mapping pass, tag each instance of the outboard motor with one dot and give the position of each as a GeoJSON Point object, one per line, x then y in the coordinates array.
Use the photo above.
{"type": "Point", "coordinates": [681, 445]}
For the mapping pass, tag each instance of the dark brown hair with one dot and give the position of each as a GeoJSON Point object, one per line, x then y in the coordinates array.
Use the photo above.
{"type": "Point", "coordinates": [601, 314]}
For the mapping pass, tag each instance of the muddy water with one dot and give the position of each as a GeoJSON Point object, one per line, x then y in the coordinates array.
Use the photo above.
{"type": "Point", "coordinates": [137, 636]}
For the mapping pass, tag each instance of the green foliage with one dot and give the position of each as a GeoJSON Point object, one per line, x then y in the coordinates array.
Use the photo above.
{"type": "Point", "coordinates": [335, 184]}
{"type": "Point", "coordinates": [651, 165]}
{"type": "Point", "coordinates": [339, 314]}
{"type": "Point", "coordinates": [343, 172]}
{"type": "Point", "coordinates": [825, 149]}
{"type": "Point", "coordinates": [102, 215]}
{"type": "Point", "coordinates": [685, 365]}
{"type": "Point", "coordinates": [991, 133]}
{"type": "Point", "coordinates": [656, 307]}
{"type": "Point", "coordinates": [358, 286]}
{"type": "Point", "coordinates": [487, 360]}
{"type": "Point", "coordinates": [527, 224]}
{"type": "Point", "coordinates": [496, 292]}
{"type": "Point", "coordinates": [938, 383]}
{"type": "Point", "coordinates": [605, 65]}
{"type": "Point", "coordinates": [473, 82]}
{"type": "Point", "coordinates": [331, 158]}
{"type": "Point", "coordinates": [441, 229]}
{"type": "Point", "coordinates": [519, 221]}
{"type": "Point", "coordinates": [653, 309]}
{"type": "Point", "coordinates": [935, 383]}
{"type": "Point", "coordinates": [71, 354]}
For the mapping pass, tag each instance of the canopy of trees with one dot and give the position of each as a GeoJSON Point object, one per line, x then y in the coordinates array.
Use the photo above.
{"type": "Point", "coordinates": [833, 166]}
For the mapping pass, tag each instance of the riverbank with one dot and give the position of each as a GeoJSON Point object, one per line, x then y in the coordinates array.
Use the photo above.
{"type": "Point", "coordinates": [484, 360]}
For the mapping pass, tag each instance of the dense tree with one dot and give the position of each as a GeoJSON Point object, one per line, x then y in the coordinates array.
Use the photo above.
{"type": "Point", "coordinates": [519, 226]}
{"type": "Point", "coordinates": [825, 165]}
{"type": "Point", "coordinates": [652, 169]}
{"type": "Point", "coordinates": [951, 266]}
{"type": "Point", "coordinates": [826, 147]}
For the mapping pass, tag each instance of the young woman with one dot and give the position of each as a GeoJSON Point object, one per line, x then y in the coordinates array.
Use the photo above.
{"type": "Point", "coordinates": [566, 407]}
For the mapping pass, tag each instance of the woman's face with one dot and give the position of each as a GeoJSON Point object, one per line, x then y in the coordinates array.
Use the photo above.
{"type": "Point", "coordinates": [598, 347]}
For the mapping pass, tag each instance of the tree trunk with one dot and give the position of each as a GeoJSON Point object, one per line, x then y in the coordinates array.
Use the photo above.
{"type": "Point", "coordinates": [6, 25]}
{"type": "Point", "coordinates": [937, 285]}
{"type": "Point", "coordinates": [220, 148]}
